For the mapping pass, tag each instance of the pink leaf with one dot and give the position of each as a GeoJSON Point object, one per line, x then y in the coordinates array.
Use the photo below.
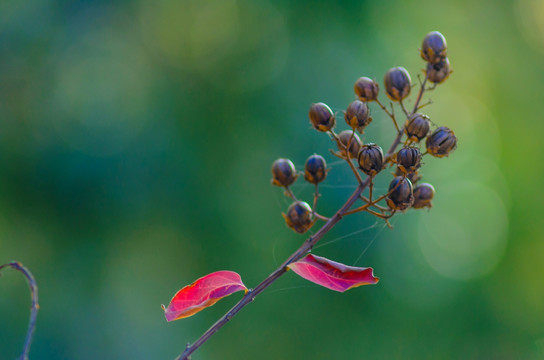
{"type": "Point", "coordinates": [204, 292]}
{"type": "Point", "coordinates": [332, 275]}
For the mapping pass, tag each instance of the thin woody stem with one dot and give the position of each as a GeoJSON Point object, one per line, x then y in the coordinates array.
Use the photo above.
{"type": "Point", "coordinates": [391, 115]}
{"type": "Point", "coordinates": [282, 269]}
{"type": "Point", "coordinates": [347, 149]}
{"type": "Point", "coordinates": [34, 304]}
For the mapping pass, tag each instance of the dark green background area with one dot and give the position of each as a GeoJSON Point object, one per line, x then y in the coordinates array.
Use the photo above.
{"type": "Point", "coordinates": [136, 140]}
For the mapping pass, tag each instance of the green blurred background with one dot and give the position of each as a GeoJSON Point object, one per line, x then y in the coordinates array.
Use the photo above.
{"type": "Point", "coordinates": [135, 145]}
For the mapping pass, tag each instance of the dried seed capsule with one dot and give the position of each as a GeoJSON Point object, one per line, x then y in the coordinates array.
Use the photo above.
{"type": "Point", "coordinates": [441, 142]}
{"type": "Point", "coordinates": [344, 137]}
{"type": "Point", "coordinates": [417, 127]}
{"type": "Point", "coordinates": [283, 172]}
{"type": "Point", "coordinates": [433, 48]}
{"type": "Point", "coordinates": [397, 83]}
{"type": "Point", "coordinates": [439, 72]}
{"type": "Point", "coordinates": [366, 89]}
{"type": "Point", "coordinates": [299, 217]}
{"type": "Point", "coordinates": [409, 159]}
{"type": "Point", "coordinates": [423, 194]}
{"type": "Point", "coordinates": [321, 117]}
{"type": "Point", "coordinates": [315, 169]}
{"type": "Point", "coordinates": [371, 159]}
{"type": "Point", "coordinates": [357, 115]}
{"type": "Point", "coordinates": [401, 197]}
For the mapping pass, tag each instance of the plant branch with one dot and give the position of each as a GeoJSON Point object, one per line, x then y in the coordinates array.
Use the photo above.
{"type": "Point", "coordinates": [282, 269]}
{"type": "Point", "coordinates": [34, 305]}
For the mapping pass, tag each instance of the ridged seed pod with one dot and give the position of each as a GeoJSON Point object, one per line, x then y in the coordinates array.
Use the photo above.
{"type": "Point", "coordinates": [315, 169]}
{"type": "Point", "coordinates": [355, 145]}
{"type": "Point", "coordinates": [433, 48]}
{"type": "Point", "coordinates": [299, 217]}
{"type": "Point", "coordinates": [371, 159]}
{"type": "Point", "coordinates": [402, 196]}
{"type": "Point", "coordinates": [441, 142]}
{"type": "Point", "coordinates": [423, 195]}
{"type": "Point", "coordinates": [409, 159]}
{"type": "Point", "coordinates": [283, 172]}
{"type": "Point", "coordinates": [366, 89]}
{"type": "Point", "coordinates": [357, 115]}
{"type": "Point", "coordinates": [439, 72]}
{"type": "Point", "coordinates": [397, 83]}
{"type": "Point", "coordinates": [321, 117]}
{"type": "Point", "coordinates": [417, 127]}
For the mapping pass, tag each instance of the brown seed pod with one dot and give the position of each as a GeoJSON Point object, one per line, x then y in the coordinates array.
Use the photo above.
{"type": "Point", "coordinates": [439, 72]}
{"type": "Point", "coordinates": [315, 169]}
{"type": "Point", "coordinates": [357, 115]}
{"type": "Point", "coordinates": [397, 83]}
{"type": "Point", "coordinates": [355, 146]}
{"type": "Point", "coordinates": [371, 159]}
{"type": "Point", "coordinates": [366, 89]}
{"type": "Point", "coordinates": [321, 117]}
{"type": "Point", "coordinates": [283, 172]}
{"type": "Point", "coordinates": [441, 142]}
{"type": "Point", "coordinates": [417, 127]}
{"type": "Point", "coordinates": [402, 196]}
{"type": "Point", "coordinates": [423, 194]}
{"type": "Point", "coordinates": [299, 217]}
{"type": "Point", "coordinates": [433, 48]}
{"type": "Point", "coordinates": [408, 159]}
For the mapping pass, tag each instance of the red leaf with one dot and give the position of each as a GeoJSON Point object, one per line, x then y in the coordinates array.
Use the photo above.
{"type": "Point", "coordinates": [332, 275]}
{"type": "Point", "coordinates": [204, 292]}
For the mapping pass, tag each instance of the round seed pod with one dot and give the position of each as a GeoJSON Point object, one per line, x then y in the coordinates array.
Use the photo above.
{"type": "Point", "coordinates": [417, 127]}
{"type": "Point", "coordinates": [371, 159]}
{"type": "Point", "coordinates": [409, 159]}
{"type": "Point", "coordinates": [433, 48]}
{"type": "Point", "coordinates": [423, 194]}
{"type": "Point", "coordinates": [441, 142]}
{"type": "Point", "coordinates": [397, 83]}
{"type": "Point", "coordinates": [402, 196]}
{"type": "Point", "coordinates": [357, 115]}
{"type": "Point", "coordinates": [439, 72]}
{"type": "Point", "coordinates": [315, 169]}
{"type": "Point", "coordinates": [344, 137]}
{"type": "Point", "coordinates": [321, 117]}
{"type": "Point", "coordinates": [366, 89]}
{"type": "Point", "coordinates": [299, 217]}
{"type": "Point", "coordinates": [283, 172]}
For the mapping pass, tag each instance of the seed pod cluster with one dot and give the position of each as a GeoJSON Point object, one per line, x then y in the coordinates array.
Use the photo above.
{"type": "Point", "coordinates": [405, 190]}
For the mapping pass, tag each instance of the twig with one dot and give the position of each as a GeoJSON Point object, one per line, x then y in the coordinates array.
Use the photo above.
{"type": "Point", "coordinates": [34, 306]}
